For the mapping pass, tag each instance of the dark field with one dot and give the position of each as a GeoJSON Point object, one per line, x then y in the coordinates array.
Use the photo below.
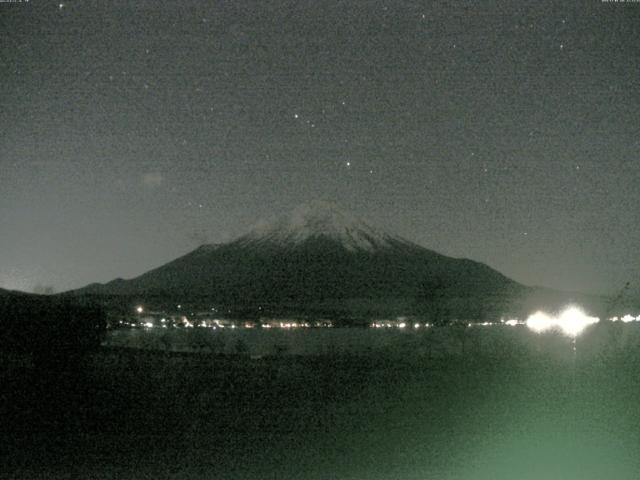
{"type": "Point", "coordinates": [131, 414]}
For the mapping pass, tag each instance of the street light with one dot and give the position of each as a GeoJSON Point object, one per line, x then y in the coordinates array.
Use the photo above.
{"type": "Point", "coordinates": [540, 322]}
{"type": "Point", "coordinates": [571, 322]}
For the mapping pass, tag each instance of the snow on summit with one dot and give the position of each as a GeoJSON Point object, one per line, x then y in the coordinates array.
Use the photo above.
{"type": "Point", "coordinates": [320, 220]}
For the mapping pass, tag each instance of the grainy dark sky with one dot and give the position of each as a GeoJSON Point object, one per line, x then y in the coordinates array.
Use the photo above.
{"type": "Point", "coordinates": [502, 131]}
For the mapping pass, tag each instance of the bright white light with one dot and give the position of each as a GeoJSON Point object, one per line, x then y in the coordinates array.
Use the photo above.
{"type": "Point", "coordinates": [573, 321]}
{"type": "Point", "coordinates": [148, 325]}
{"type": "Point", "coordinates": [139, 309]}
{"type": "Point", "coordinates": [540, 322]}
{"type": "Point", "coordinates": [416, 325]}
{"type": "Point", "coordinates": [628, 318]}
{"type": "Point", "coordinates": [402, 325]}
{"type": "Point", "coordinates": [511, 323]}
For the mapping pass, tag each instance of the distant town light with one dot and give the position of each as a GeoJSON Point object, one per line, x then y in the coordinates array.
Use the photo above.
{"type": "Point", "coordinates": [511, 323]}
{"type": "Point", "coordinates": [139, 309]}
{"type": "Point", "coordinates": [148, 325]}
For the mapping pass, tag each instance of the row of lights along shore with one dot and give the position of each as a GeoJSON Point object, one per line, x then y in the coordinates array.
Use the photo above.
{"type": "Point", "coordinates": [571, 321]}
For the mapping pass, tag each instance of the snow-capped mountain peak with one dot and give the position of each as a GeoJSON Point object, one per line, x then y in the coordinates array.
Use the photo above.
{"type": "Point", "coordinates": [320, 219]}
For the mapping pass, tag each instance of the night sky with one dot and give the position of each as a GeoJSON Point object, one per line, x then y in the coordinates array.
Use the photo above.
{"type": "Point", "coordinates": [502, 131]}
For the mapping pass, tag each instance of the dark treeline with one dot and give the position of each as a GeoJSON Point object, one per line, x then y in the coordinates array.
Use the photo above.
{"type": "Point", "coordinates": [49, 328]}
{"type": "Point", "coordinates": [44, 343]}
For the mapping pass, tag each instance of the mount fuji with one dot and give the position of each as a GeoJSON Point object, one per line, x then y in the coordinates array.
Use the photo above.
{"type": "Point", "coordinates": [319, 260]}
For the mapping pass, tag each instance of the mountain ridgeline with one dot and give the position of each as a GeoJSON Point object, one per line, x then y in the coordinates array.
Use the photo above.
{"type": "Point", "coordinates": [318, 262]}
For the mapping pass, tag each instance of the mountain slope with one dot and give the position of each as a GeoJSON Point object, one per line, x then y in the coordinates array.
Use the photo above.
{"type": "Point", "coordinates": [319, 259]}
{"type": "Point", "coordinates": [7, 293]}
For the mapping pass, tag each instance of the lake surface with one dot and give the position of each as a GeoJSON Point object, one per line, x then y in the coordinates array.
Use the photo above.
{"type": "Point", "coordinates": [430, 342]}
{"type": "Point", "coordinates": [145, 414]}
{"type": "Point", "coordinates": [456, 404]}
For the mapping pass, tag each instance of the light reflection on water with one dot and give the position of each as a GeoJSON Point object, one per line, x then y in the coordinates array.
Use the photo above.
{"type": "Point", "coordinates": [432, 342]}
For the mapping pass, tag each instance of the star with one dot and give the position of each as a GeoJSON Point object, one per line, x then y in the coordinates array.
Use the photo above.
{"type": "Point", "coordinates": [60, 6]}
{"type": "Point", "coordinates": [295, 115]}
{"type": "Point", "coordinates": [348, 164]}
